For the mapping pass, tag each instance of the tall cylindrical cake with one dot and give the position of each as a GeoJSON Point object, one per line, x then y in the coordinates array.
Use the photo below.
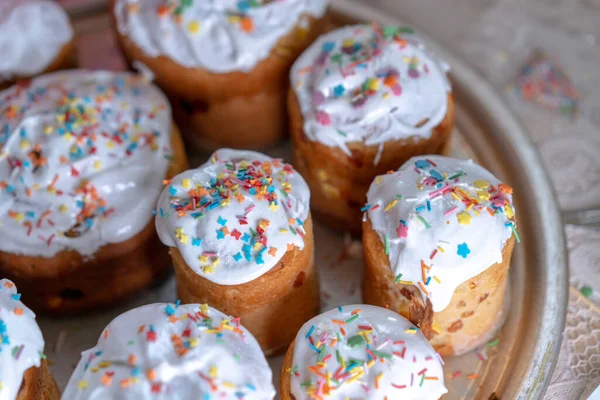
{"type": "Point", "coordinates": [438, 236]}
{"type": "Point", "coordinates": [36, 37]}
{"type": "Point", "coordinates": [24, 373]}
{"type": "Point", "coordinates": [171, 351]}
{"type": "Point", "coordinates": [361, 352]}
{"type": "Point", "coordinates": [82, 158]}
{"type": "Point", "coordinates": [241, 239]}
{"type": "Point", "coordinates": [224, 64]}
{"type": "Point", "coordinates": [364, 99]}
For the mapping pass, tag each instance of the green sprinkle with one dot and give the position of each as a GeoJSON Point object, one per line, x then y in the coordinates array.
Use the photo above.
{"type": "Point", "coordinates": [405, 29]}
{"type": "Point", "coordinates": [352, 319]}
{"type": "Point", "coordinates": [237, 357]}
{"type": "Point", "coordinates": [306, 384]}
{"type": "Point", "coordinates": [382, 354]}
{"type": "Point", "coordinates": [321, 354]}
{"type": "Point", "coordinates": [293, 230]}
{"type": "Point", "coordinates": [389, 31]}
{"type": "Point", "coordinates": [252, 232]}
{"type": "Point", "coordinates": [398, 278]}
{"type": "Point", "coordinates": [387, 245]}
{"type": "Point", "coordinates": [512, 226]}
{"type": "Point", "coordinates": [131, 343]}
{"type": "Point", "coordinates": [399, 196]}
{"type": "Point", "coordinates": [338, 356]}
{"type": "Point", "coordinates": [493, 343]}
{"type": "Point", "coordinates": [356, 341]}
{"type": "Point", "coordinates": [458, 174]}
{"type": "Point", "coordinates": [422, 380]}
{"type": "Point", "coordinates": [587, 292]}
{"type": "Point", "coordinates": [424, 222]}
{"type": "Point", "coordinates": [42, 355]}
{"type": "Point", "coordinates": [294, 370]}
{"type": "Point", "coordinates": [344, 134]}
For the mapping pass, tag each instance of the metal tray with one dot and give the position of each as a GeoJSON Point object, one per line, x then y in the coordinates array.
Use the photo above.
{"type": "Point", "coordinates": [518, 363]}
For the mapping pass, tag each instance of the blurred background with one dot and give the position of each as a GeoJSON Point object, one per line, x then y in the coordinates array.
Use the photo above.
{"type": "Point", "coordinates": [543, 56]}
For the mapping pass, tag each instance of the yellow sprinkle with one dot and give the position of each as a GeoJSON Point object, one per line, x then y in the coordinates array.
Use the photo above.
{"type": "Point", "coordinates": [456, 196]}
{"type": "Point", "coordinates": [483, 194]}
{"type": "Point", "coordinates": [469, 207]}
{"type": "Point", "coordinates": [348, 42]}
{"type": "Point", "coordinates": [508, 210]}
{"type": "Point", "coordinates": [62, 208]}
{"type": "Point", "coordinates": [203, 259]}
{"type": "Point", "coordinates": [440, 249]}
{"type": "Point", "coordinates": [110, 145]}
{"type": "Point", "coordinates": [374, 84]}
{"type": "Point", "coordinates": [193, 27]}
{"type": "Point", "coordinates": [193, 342]}
{"type": "Point", "coordinates": [48, 130]}
{"type": "Point", "coordinates": [104, 364]}
{"type": "Point", "coordinates": [186, 183]}
{"type": "Point", "coordinates": [19, 217]}
{"type": "Point", "coordinates": [437, 279]}
{"type": "Point", "coordinates": [436, 327]}
{"type": "Point", "coordinates": [24, 144]}
{"type": "Point", "coordinates": [82, 385]}
{"type": "Point", "coordinates": [283, 231]}
{"type": "Point", "coordinates": [209, 269]}
{"type": "Point", "coordinates": [391, 204]}
{"type": "Point", "coordinates": [97, 165]}
{"type": "Point", "coordinates": [204, 308]}
{"type": "Point", "coordinates": [481, 184]}
{"type": "Point", "coordinates": [229, 385]}
{"type": "Point", "coordinates": [370, 363]}
{"type": "Point", "coordinates": [378, 179]}
{"type": "Point", "coordinates": [407, 282]}
{"type": "Point", "coordinates": [273, 206]}
{"type": "Point", "coordinates": [183, 239]}
{"type": "Point", "coordinates": [464, 218]}
{"type": "Point", "coordinates": [213, 372]}
{"type": "Point", "coordinates": [385, 95]}
{"type": "Point", "coordinates": [476, 212]}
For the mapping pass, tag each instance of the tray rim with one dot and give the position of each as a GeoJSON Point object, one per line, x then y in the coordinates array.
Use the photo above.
{"type": "Point", "coordinates": [546, 346]}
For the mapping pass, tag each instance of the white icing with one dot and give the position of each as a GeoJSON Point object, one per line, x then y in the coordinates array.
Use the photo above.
{"type": "Point", "coordinates": [98, 132]}
{"type": "Point", "coordinates": [21, 341]}
{"type": "Point", "coordinates": [403, 356]}
{"type": "Point", "coordinates": [208, 34]}
{"type": "Point", "coordinates": [407, 86]}
{"type": "Point", "coordinates": [219, 220]}
{"type": "Point", "coordinates": [32, 34]}
{"type": "Point", "coordinates": [412, 242]}
{"type": "Point", "coordinates": [167, 351]}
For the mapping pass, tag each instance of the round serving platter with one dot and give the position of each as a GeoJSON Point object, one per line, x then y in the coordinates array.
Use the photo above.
{"type": "Point", "coordinates": [518, 361]}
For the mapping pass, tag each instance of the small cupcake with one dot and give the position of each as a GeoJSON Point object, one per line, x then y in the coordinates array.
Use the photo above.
{"type": "Point", "coordinates": [24, 373]}
{"type": "Point", "coordinates": [438, 237]}
{"type": "Point", "coordinates": [224, 64]}
{"type": "Point", "coordinates": [82, 159]}
{"type": "Point", "coordinates": [361, 352]}
{"type": "Point", "coordinates": [240, 236]}
{"type": "Point", "coordinates": [171, 351]}
{"type": "Point", "coordinates": [36, 37]}
{"type": "Point", "coordinates": [364, 99]}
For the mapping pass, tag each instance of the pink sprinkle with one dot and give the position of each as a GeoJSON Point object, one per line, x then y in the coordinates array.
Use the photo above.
{"type": "Point", "coordinates": [209, 253]}
{"type": "Point", "coordinates": [451, 211]}
{"type": "Point", "coordinates": [323, 118]}
{"type": "Point", "coordinates": [250, 208]}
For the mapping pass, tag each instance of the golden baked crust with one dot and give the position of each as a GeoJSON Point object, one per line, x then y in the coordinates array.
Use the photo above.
{"type": "Point", "coordinates": [285, 377]}
{"type": "Point", "coordinates": [69, 283]}
{"type": "Point", "coordinates": [273, 307]}
{"type": "Point", "coordinates": [38, 384]}
{"type": "Point", "coordinates": [236, 109]}
{"type": "Point", "coordinates": [338, 182]}
{"type": "Point", "coordinates": [470, 318]}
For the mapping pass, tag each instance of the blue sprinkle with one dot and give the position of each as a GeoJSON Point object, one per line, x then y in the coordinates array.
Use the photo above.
{"type": "Point", "coordinates": [172, 190]}
{"type": "Point", "coordinates": [246, 237]}
{"type": "Point", "coordinates": [340, 309]}
{"type": "Point", "coordinates": [338, 90]}
{"type": "Point", "coordinates": [312, 346]}
{"type": "Point", "coordinates": [220, 234]}
{"type": "Point", "coordinates": [421, 164]}
{"type": "Point", "coordinates": [299, 221]}
{"type": "Point", "coordinates": [428, 205]}
{"type": "Point", "coordinates": [419, 209]}
{"type": "Point", "coordinates": [169, 310]}
{"type": "Point", "coordinates": [196, 242]}
{"type": "Point", "coordinates": [310, 332]}
{"type": "Point", "coordinates": [365, 208]}
{"type": "Point", "coordinates": [259, 260]}
{"type": "Point", "coordinates": [237, 257]}
{"type": "Point", "coordinates": [222, 221]}
{"type": "Point", "coordinates": [16, 296]}
{"type": "Point", "coordinates": [328, 46]}
{"type": "Point", "coordinates": [463, 250]}
{"type": "Point", "coordinates": [436, 175]}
